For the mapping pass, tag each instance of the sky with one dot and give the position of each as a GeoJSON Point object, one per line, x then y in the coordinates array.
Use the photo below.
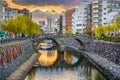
{"type": "Point", "coordinates": [48, 6]}
{"type": "Point", "coordinates": [40, 7]}
{"type": "Point", "coordinates": [50, 2]}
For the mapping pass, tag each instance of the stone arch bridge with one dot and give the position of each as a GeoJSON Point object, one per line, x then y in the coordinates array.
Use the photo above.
{"type": "Point", "coordinates": [76, 41]}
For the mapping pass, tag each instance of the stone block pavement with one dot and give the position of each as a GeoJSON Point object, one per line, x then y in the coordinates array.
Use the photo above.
{"type": "Point", "coordinates": [22, 71]}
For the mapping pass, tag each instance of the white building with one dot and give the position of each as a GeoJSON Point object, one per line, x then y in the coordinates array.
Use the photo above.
{"type": "Point", "coordinates": [80, 17]}
{"type": "Point", "coordinates": [7, 13]}
{"type": "Point", "coordinates": [102, 10]}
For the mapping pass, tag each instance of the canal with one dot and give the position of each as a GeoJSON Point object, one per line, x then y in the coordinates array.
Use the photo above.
{"type": "Point", "coordinates": [54, 64]}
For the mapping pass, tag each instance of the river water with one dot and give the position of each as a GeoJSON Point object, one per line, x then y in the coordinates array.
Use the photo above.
{"type": "Point", "coordinates": [55, 65]}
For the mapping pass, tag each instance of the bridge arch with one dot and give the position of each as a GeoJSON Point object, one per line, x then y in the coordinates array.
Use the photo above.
{"type": "Point", "coordinates": [49, 38]}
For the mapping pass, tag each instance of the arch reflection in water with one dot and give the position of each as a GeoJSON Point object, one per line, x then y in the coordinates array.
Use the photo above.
{"type": "Point", "coordinates": [70, 59]}
{"type": "Point", "coordinates": [83, 70]}
{"type": "Point", "coordinates": [48, 58]}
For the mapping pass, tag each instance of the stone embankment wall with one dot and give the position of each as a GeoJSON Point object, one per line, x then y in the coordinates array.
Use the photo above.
{"type": "Point", "coordinates": [13, 55]}
{"type": "Point", "coordinates": [110, 51]}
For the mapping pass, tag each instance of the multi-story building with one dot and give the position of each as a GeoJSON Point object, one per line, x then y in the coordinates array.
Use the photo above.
{"type": "Point", "coordinates": [7, 13]}
{"type": "Point", "coordinates": [63, 23]}
{"type": "Point", "coordinates": [12, 13]}
{"type": "Point", "coordinates": [102, 9]}
{"type": "Point", "coordinates": [57, 25]}
{"type": "Point", "coordinates": [81, 17]}
{"type": "Point", "coordinates": [3, 6]}
{"type": "Point", "coordinates": [53, 23]}
{"type": "Point", "coordinates": [1, 12]}
{"type": "Point", "coordinates": [113, 9]}
{"type": "Point", "coordinates": [68, 20]}
{"type": "Point", "coordinates": [41, 23]}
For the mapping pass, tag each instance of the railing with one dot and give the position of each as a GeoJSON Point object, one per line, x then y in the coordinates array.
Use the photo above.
{"type": "Point", "coordinates": [6, 41]}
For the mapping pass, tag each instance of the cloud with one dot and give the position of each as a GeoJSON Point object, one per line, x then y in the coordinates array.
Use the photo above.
{"type": "Point", "coordinates": [41, 8]}
{"type": "Point", "coordinates": [50, 2]}
{"type": "Point", "coordinates": [50, 9]}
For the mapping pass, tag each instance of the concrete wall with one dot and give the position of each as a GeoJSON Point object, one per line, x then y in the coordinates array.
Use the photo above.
{"type": "Point", "coordinates": [110, 51]}
{"type": "Point", "coordinates": [8, 66]}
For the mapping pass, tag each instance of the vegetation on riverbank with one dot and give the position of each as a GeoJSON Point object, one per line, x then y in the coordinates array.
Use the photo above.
{"type": "Point", "coordinates": [21, 25]}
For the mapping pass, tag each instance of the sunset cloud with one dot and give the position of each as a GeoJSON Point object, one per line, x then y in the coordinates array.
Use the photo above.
{"type": "Point", "coordinates": [51, 9]}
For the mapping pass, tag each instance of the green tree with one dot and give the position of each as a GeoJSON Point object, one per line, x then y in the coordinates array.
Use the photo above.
{"type": "Point", "coordinates": [99, 31]}
{"type": "Point", "coordinates": [21, 25]}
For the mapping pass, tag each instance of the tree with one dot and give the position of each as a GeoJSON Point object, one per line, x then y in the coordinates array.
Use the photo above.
{"type": "Point", "coordinates": [116, 22]}
{"type": "Point", "coordinates": [99, 31]}
{"type": "Point", "coordinates": [21, 25]}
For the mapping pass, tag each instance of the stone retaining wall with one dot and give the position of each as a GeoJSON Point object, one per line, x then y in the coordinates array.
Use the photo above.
{"type": "Point", "coordinates": [13, 55]}
{"type": "Point", "coordinates": [109, 69]}
{"type": "Point", "coordinates": [110, 51]}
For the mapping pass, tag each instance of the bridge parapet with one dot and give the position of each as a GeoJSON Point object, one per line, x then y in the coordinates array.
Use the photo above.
{"type": "Point", "coordinates": [78, 41]}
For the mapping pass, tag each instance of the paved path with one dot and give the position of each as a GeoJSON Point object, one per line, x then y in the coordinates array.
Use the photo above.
{"type": "Point", "coordinates": [22, 71]}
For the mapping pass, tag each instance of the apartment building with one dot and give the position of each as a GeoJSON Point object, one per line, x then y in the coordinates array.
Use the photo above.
{"type": "Point", "coordinates": [3, 6]}
{"type": "Point", "coordinates": [7, 13]}
{"type": "Point", "coordinates": [81, 17]}
{"type": "Point", "coordinates": [102, 10]}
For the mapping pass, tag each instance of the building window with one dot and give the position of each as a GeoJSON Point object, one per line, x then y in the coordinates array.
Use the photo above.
{"type": "Point", "coordinates": [104, 18]}
{"type": "Point", "coordinates": [104, 23]}
{"type": "Point", "coordinates": [104, 13]}
{"type": "Point", "coordinates": [79, 25]}
{"type": "Point", "coordinates": [104, 8]}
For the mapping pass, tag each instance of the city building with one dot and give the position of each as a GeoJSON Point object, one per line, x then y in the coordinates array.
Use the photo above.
{"type": "Point", "coordinates": [57, 25]}
{"type": "Point", "coordinates": [1, 12]}
{"type": "Point", "coordinates": [41, 23]}
{"type": "Point", "coordinates": [63, 23]}
{"type": "Point", "coordinates": [53, 23]}
{"type": "Point", "coordinates": [7, 13]}
{"type": "Point", "coordinates": [12, 13]}
{"type": "Point", "coordinates": [102, 10]}
{"type": "Point", "coordinates": [81, 17]}
{"type": "Point", "coordinates": [68, 20]}
{"type": "Point", "coordinates": [3, 6]}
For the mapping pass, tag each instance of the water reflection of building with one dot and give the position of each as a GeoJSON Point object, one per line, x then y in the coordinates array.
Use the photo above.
{"type": "Point", "coordinates": [82, 71]}
{"type": "Point", "coordinates": [48, 58]}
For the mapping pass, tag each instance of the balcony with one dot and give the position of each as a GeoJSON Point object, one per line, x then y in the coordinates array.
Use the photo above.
{"type": "Point", "coordinates": [95, 16]}
{"type": "Point", "coordinates": [95, 6]}
{"type": "Point", "coordinates": [95, 20]}
{"type": "Point", "coordinates": [113, 1]}
{"type": "Point", "coordinates": [95, 2]}
{"type": "Point", "coordinates": [95, 11]}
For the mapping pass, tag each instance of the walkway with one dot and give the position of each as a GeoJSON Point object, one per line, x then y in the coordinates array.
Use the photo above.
{"type": "Point", "coordinates": [22, 71]}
